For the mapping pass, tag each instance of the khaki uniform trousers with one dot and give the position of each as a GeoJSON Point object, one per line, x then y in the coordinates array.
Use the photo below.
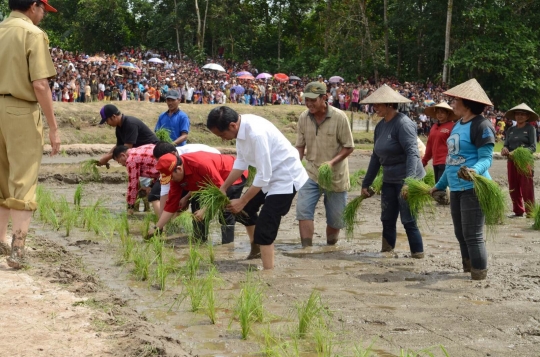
{"type": "Point", "coordinates": [21, 150]}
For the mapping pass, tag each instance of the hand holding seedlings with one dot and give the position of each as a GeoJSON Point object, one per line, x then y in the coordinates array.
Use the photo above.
{"type": "Point", "coordinates": [236, 206]}
{"type": "Point", "coordinates": [367, 192]}
{"type": "Point", "coordinates": [199, 214]}
{"type": "Point", "coordinates": [404, 191]}
{"type": "Point", "coordinates": [505, 151]}
{"type": "Point", "coordinates": [465, 173]}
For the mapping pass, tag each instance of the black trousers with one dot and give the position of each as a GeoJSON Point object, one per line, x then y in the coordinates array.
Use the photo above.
{"type": "Point", "coordinates": [439, 171]}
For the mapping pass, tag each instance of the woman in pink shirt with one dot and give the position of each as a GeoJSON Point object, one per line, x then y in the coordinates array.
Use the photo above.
{"type": "Point", "coordinates": [355, 98]}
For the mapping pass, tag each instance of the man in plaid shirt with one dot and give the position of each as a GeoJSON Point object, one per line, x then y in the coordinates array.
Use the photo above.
{"type": "Point", "coordinates": [140, 162]}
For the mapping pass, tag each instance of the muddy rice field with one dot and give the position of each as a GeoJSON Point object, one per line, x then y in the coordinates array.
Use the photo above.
{"type": "Point", "coordinates": [83, 294]}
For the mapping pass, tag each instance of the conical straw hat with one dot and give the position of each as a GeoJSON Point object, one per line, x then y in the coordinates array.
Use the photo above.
{"type": "Point", "coordinates": [470, 90]}
{"type": "Point", "coordinates": [385, 94]}
{"type": "Point", "coordinates": [431, 111]}
{"type": "Point", "coordinates": [522, 107]}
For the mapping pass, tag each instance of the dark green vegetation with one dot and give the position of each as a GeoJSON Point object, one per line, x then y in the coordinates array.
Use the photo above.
{"type": "Point", "coordinates": [494, 41]}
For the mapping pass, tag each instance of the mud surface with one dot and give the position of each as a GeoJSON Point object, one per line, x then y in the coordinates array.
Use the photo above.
{"type": "Point", "coordinates": [393, 300]}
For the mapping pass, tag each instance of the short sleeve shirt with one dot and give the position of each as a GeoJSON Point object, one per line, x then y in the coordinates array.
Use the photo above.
{"type": "Point", "coordinates": [323, 142]}
{"type": "Point", "coordinates": [21, 42]}
{"type": "Point", "coordinates": [134, 131]}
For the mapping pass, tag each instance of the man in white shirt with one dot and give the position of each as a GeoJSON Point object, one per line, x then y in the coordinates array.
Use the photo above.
{"type": "Point", "coordinates": [280, 175]}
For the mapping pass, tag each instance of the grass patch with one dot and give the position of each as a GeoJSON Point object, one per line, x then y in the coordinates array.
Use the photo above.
{"type": "Point", "coordinates": [324, 178]}
{"type": "Point", "coordinates": [523, 159]}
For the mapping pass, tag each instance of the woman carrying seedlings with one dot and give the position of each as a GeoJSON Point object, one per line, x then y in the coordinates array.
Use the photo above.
{"type": "Point", "coordinates": [470, 148]}
{"type": "Point", "coordinates": [520, 184]}
{"type": "Point", "coordinates": [396, 150]}
{"type": "Point", "coordinates": [436, 148]}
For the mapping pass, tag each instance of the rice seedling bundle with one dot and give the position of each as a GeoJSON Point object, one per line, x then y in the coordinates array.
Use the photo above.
{"type": "Point", "coordinates": [429, 179]}
{"type": "Point", "coordinates": [325, 177]}
{"type": "Point", "coordinates": [355, 178]}
{"type": "Point", "coordinates": [164, 135]}
{"type": "Point", "coordinates": [419, 197]}
{"type": "Point", "coordinates": [350, 212]}
{"type": "Point", "coordinates": [212, 200]}
{"type": "Point", "coordinates": [378, 182]}
{"type": "Point", "coordinates": [89, 167]}
{"type": "Point", "coordinates": [491, 198]}
{"type": "Point", "coordinates": [251, 175]}
{"type": "Point", "coordinates": [185, 221]}
{"type": "Point", "coordinates": [523, 159]}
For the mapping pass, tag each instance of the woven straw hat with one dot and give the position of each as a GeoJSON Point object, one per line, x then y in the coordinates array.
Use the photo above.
{"type": "Point", "coordinates": [522, 107]}
{"type": "Point", "coordinates": [431, 111]}
{"type": "Point", "coordinates": [470, 90]}
{"type": "Point", "coordinates": [385, 95]}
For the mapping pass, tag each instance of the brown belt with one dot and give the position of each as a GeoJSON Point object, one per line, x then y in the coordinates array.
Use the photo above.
{"type": "Point", "coordinates": [5, 95]}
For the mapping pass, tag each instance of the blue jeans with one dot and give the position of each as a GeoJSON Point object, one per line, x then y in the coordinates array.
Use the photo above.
{"type": "Point", "coordinates": [334, 204]}
{"type": "Point", "coordinates": [469, 227]}
{"type": "Point", "coordinates": [392, 205]}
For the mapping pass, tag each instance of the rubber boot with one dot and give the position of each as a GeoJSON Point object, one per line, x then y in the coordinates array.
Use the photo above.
{"type": "Point", "coordinates": [227, 234]}
{"type": "Point", "coordinates": [306, 242]}
{"type": "Point", "coordinates": [386, 247]}
{"type": "Point", "coordinates": [16, 260]}
{"type": "Point", "coordinates": [466, 265]}
{"type": "Point", "coordinates": [255, 252]}
{"type": "Point", "coordinates": [478, 274]}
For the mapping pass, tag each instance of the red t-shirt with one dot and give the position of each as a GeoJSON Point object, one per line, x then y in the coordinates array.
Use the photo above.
{"type": "Point", "coordinates": [436, 147]}
{"type": "Point", "coordinates": [199, 168]}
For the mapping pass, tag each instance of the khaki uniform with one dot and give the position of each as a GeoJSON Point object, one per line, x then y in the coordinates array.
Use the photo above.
{"type": "Point", "coordinates": [324, 142]}
{"type": "Point", "coordinates": [24, 58]}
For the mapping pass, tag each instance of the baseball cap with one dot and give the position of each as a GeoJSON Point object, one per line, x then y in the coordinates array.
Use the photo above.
{"type": "Point", "coordinates": [314, 89]}
{"type": "Point", "coordinates": [108, 111]}
{"type": "Point", "coordinates": [172, 94]}
{"type": "Point", "coordinates": [48, 7]}
{"type": "Point", "coordinates": [166, 165]}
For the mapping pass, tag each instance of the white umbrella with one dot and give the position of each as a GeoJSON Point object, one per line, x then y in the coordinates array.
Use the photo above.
{"type": "Point", "coordinates": [214, 67]}
{"type": "Point", "coordinates": [155, 60]}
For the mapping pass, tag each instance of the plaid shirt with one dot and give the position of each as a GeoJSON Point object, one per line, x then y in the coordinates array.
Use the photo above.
{"type": "Point", "coordinates": [140, 163]}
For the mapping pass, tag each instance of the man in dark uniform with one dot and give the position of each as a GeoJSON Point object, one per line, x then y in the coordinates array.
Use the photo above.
{"type": "Point", "coordinates": [130, 131]}
{"type": "Point", "coordinates": [24, 90]}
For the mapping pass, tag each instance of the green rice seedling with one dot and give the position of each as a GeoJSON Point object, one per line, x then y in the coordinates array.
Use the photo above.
{"type": "Point", "coordinates": [523, 159]}
{"type": "Point", "coordinates": [185, 221]}
{"type": "Point", "coordinates": [145, 224]}
{"type": "Point", "coordinates": [142, 260]}
{"type": "Point", "coordinates": [534, 210]}
{"type": "Point", "coordinates": [164, 135]}
{"type": "Point", "coordinates": [77, 196]}
{"type": "Point", "coordinates": [52, 218]}
{"type": "Point", "coordinates": [211, 279]}
{"type": "Point", "coordinates": [128, 245]}
{"type": "Point", "coordinates": [193, 263]}
{"type": "Point", "coordinates": [429, 179]}
{"type": "Point", "coordinates": [69, 220]}
{"type": "Point", "coordinates": [360, 351]}
{"type": "Point", "coordinates": [492, 201]}
{"type": "Point", "coordinates": [355, 179]}
{"type": "Point", "coordinates": [249, 307]}
{"type": "Point", "coordinates": [418, 196]}
{"type": "Point", "coordinates": [378, 182]}
{"type": "Point", "coordinates": [157, 246]}
{"type": "Point", "coordinates": [123, 225]}
{"type": "Point", "coordinates": [44, 201]}
{"type": "Point", "coordinates": [324, 339]}
{"type": "Point", "coordinates": [350, 213]}
{"type": "Point", "coordinates": [212, 200]}
{"type": "Point", "coordinates": [251, 175]}
{"type": "Point", "coordinates": [164, 268]}
{"type": "Point", "coordinates": [210, 251]}
{"type": "Point", "coordinates": [325, 177]}
{"type": "Point", "coordinates": [89, 168]}
{"type": "Point", "coordinates": [274, 346]}
{"type": "Point", "coordinates": [196, 290]}
{"type": "Point", "coordinates": [309, 313]}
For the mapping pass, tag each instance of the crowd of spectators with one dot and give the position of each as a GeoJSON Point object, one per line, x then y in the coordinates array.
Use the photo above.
{"type": "Point", "coordinates": [133, 74]}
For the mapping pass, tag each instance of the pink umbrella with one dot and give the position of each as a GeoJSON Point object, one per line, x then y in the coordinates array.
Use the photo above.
{"type": "Point", "coordinates": [246, 76]}
{"type": "Point", "coordinates": [243, 73]}
{"type": "Point", "coordinates": [264, 76]}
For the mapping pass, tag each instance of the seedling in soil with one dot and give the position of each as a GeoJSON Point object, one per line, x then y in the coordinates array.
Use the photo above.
{"type": "Point", "coordinates": [325, 177]}
{"type": "Point", "coordinates": [324, 339]}
{"type": "Point", "coordinates": [163, 268]}
{"type": "Point", "coordinates": [360, 351]}
{"type": "Point", "coordinates": [128, 245]}
{"type": "Point", "coordinates": [310, 312]}
{"type": "Point", "coordinates": [212, 278]}
{"type": "Point", "coordinates": [196, 289]}
{"type": "Point", "coordinates": [249, 308]}
{"type": "Point", "coordinates": [191, 269]}
{"type": "Point", "coordinates": [77, 196]}
{"type": "Point", "coordinates": [142, 259]}
{"type": "Point", "coordinates": [185, 221]}
{"type": "Point", "coordinates": [69, 220]}
{"type": "Point", "coordinates": [157, 246]}
{"type": "Point", "coordinates": [89, 167]}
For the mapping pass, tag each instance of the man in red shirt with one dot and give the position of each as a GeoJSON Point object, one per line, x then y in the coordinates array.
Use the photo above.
{"type": "Point", "coordinates": [140, 162]}
{"type": "Point", "coordinates": [189, 172]}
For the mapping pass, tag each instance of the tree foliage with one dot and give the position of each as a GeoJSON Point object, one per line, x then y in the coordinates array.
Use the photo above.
{"type": "Point", "coordinates": [493, 40]}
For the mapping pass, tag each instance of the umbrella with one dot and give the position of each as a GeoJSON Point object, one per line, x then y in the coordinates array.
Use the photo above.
{"type": "Point", "coordinates": [294, 78]}
{"type": "Point", "coordinates": [95, 59]}
{"type": "Point", "coordinates": [243, 73]}
{"type": "Point", "coordinates": [246, 76]}
{"type": "Point", "coordinates": [335, 79]}
{"type": "Point", "coordinates": [127, 65]}
{"type": "Point", "coordinates": [155, 60]}
{"type": "Point", "coordinates": [282, 77]}
{"type": "Point", "coordinates": [238, 89]}
{"type": "Point", "coordinates": [214, 67]}
{"type": "Point", "coordinates": [429, 102]}
{"type": "Point", "coordinates": [264, 76]}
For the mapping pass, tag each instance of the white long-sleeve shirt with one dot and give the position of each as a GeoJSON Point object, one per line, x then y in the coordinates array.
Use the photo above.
{"type": "Point", "coordinates": [260, 144]}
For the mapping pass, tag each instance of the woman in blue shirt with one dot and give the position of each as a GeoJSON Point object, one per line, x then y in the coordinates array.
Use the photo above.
{"type": "Point", "coordinates": [470, 148]}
